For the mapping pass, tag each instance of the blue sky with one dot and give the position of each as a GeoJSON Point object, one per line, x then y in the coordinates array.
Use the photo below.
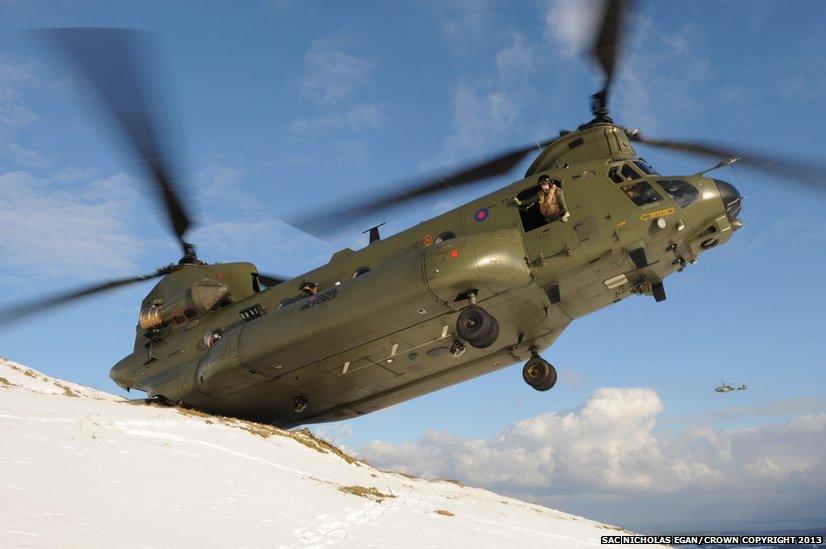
{"type": "Point", "coordinates": [278, 105]}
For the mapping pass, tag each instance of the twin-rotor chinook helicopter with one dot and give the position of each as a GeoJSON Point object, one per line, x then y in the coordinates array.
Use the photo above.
{"type": "Point", "coordinates": [465, 293]}
{"type": "Point", "coordinates": [726, 388]}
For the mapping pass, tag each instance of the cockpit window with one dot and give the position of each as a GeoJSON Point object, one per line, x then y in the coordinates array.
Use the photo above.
{"type": "Point", "coordinates": [615, 177]}
{"type": "Point", "coordinates": [641, 193]}
{"type": "Point", "coordinates": [629, 173]}
{"type": "Point", "coordinates": [682, 192]}
{"type": "Point", "coordinates": [645, 167]}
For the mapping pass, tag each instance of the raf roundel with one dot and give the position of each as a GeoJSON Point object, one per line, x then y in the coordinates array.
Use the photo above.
{"type": "Point", "coordinates": [481, 214]}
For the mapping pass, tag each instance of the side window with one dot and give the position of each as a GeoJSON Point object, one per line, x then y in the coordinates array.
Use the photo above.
{"type": "Point", "coordinates": [682, 192]}
{"type": "Point", "coordinates": [645, 167]}
{"type": "Point", "coordinates": [613, 173]}
{"type": "Point", "coordinates": [641, 193]}
{"type": "Point", "coordinates": [360, 271]}
{"type": "Point", "coordinates": [447, 235]}
{"type": "Point", "coordinates": [629, 173]}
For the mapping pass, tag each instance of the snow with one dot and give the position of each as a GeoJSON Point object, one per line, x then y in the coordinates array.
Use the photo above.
{"type": "Point", "coordinates": [80, 467]}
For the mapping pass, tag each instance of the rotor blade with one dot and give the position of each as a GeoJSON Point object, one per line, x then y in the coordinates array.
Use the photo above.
{"type": "Point", "coordinates": [112, 61]}
{"type": "Point", "coordinates": [608, 41]}
{"type": "Point", "coordinates": [15, 313]}
{"type": "Point", "coordinates": [334, 215]}
{"type": "Point", "coordinates": [271, 281]}
{"type": "Point", "coordinates": [801, 171]}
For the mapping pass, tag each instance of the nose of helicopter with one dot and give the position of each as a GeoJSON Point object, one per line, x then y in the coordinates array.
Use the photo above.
{"type": "Point", "coordinates": [730, 196]}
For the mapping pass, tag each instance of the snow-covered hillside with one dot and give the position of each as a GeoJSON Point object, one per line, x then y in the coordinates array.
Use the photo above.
{"type": "Point", "coordinates": [82, 468]}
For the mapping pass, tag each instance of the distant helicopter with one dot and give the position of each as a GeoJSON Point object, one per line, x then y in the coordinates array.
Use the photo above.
{"type": "Point", "coordinates": [470, 291]}
{"type": "Point", "coordinates": [726, 388]}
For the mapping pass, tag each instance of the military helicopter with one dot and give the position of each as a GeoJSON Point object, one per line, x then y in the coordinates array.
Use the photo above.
{"type": "Point", "coordinates": [473, 290]}
{"type": "Point", "coordinates": [726, 388]}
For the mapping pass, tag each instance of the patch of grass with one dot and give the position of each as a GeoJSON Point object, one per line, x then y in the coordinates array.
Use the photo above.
{"type": "Point", "coordinates": [67, 391]}
{"type": "Point", "coordinates": [29, 373]}
{"type": "Point", "coordinates": [192, 412]}
{"type": "Point", "coordinates": [369, 493]}
{"type": "Point", "coordinates": [444, 512]}
{"type": "Point", "coordinates": [6, 383]}
{"type": "Point", "coordinates": [260, 429]}
{"type": "Point", "coordinates": [306, 437]}
{"type": "Point", "coordinates": [263, 430]}
{"type": "Point", "coordinates": [454, 481]}
{"type": "Point", "coordinates": [403, 474]}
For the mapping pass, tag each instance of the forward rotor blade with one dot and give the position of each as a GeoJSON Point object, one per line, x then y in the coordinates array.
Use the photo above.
{"type": "Point", "coordinates": [112, 61]}
{"type": "Point", "coordinates": [15, 313]}
{"type": "Point", "coordinates": [801, 171]}
{"type": "Point", "coordinates": [334, 215]}
{"type": "Point", "coordinates": [606, 47]}
{"type": "Point", "coordinates": [270, 281]}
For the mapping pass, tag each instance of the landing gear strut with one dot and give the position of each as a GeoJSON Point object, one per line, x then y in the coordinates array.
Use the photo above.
{"type": "Point", "coordinates": [477, 326]}
{"type": "Point", "coordinates": [538, 372]}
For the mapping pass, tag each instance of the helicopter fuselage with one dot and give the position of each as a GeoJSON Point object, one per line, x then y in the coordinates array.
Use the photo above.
{"type": "Point", "coordinates": [382, 327]}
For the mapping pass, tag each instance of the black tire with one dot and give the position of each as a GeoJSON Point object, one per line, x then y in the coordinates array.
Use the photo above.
{"type": "Point", "coordinates": [539, 374]}
{"type": "Point", "coordinates": [475, 324]}
{"type": "Point", "coordinates": [490, 338]}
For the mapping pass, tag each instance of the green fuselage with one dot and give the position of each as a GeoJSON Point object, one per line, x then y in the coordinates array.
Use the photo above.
{"type": "Point", "coordinates": [379, 330]}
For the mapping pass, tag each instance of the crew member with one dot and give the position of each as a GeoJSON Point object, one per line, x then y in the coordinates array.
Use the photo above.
{"type": "Point", "coordinates": [309, 287]}
{"type": "Point", "coordinates": [550, 199]}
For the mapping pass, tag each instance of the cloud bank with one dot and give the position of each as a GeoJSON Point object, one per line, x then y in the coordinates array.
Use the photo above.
{"type": "Point", "coordinates": [608, 455]}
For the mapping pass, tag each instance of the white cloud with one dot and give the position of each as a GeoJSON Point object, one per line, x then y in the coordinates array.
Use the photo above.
{"type": "Point", "coordinates": [356, 118]}
{"type": "Point", "coordinates": [487, 108]}
{"type": "Point", "coordinates": [516, 61]}
{"type": "Point", "coordinates": [16, 117]}
{"type": "Point", "coordinates": [571, 25]}
{"type": "Point", "coordinates": [480, 117]}
{"type": "Point", "coordinates": [48, 228]}
{"type": "Point", "coordinates": [658, 69]}
{"type": "Point", "coordinates": [609, 450]}
{"type": "Point", "coordinates": [465, 25]}
{"type": "Point", "coordinates": [332, 75]}
{"type": "Point", "coordinates": [331, 84]}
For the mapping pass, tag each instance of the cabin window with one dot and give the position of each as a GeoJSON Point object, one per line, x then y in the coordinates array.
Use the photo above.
{"type": "Point", "coordinates": [641, 193]}
{"type": "Point", "coordinates": [447, 235]}
{"type": "Point", "coordinates": [613, 173]}
{"type": "Point", "coordinates": [645, 167]}
{"type": "Point", "coordinates": [629, 173]}
{"type": "Point", "coordinates": [360, 271]}
{"type": "Point", "coordinates": [682, 192]}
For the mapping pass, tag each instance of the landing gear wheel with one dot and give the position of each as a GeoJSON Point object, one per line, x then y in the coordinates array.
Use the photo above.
{"type": "Point", "coordinates": [478, 327]}
{"type": "Point", "coordinates": [539, 374]}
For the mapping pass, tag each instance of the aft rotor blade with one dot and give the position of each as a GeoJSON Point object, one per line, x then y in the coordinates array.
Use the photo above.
{"type": "Point", "coordinates": [607, 45]}
{"type": "Point", "coordinates": [801, 171]}
{"type": "Point", "coordinates": [270, 281]}
{"type": "Point", "coordinates": [333, 216]}
{"type": "Point", "coordinates": [21, 311]}
{"type": "Point", "coordinates": [112, 60]}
